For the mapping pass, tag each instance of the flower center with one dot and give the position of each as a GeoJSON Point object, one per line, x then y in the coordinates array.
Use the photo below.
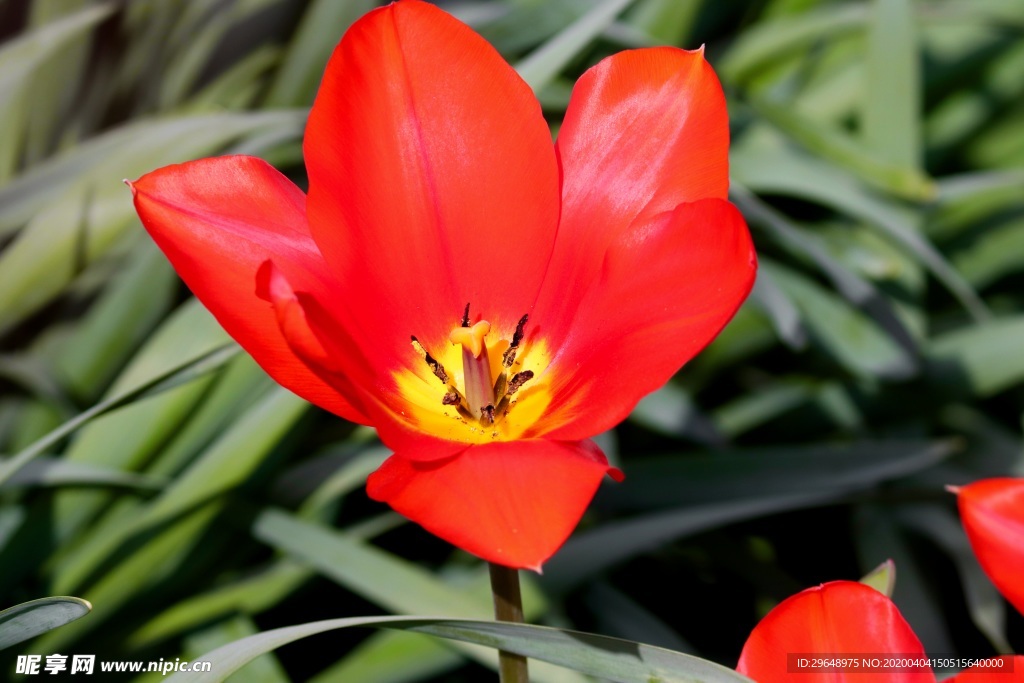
{"type": "Point", "coordinates": [467, 386]}
{"type": "Point", "coordinates": [484, 399]}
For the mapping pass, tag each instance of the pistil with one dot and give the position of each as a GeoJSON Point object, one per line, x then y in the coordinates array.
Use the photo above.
{"type": "Point", "coordinates": [476, 369]}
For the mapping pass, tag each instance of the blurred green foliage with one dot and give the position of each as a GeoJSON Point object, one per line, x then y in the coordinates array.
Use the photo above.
{"type": "Point", "coordinates": [878, 154]}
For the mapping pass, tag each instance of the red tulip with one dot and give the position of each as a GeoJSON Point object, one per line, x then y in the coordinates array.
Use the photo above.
{"type": "Point", "coordinates": [486, 300]}
{"type": "Point", "coordinates": [853, 627]}
{"type": "Point", "coordinates": [830, 621]}
{"type": "Point", "coordinates": [992, 511]}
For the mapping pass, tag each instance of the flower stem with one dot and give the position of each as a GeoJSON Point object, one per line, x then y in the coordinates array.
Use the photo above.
{"type": "Point", "coordinates": [508, 606]}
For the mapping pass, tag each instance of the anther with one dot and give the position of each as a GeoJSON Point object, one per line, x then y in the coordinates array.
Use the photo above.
{"type": "Point", "coordinates": [518, 381]}
{"type": "Point", "coordinates": [509, 357]}
{"type": "Point", "coordinates": [435, 366]}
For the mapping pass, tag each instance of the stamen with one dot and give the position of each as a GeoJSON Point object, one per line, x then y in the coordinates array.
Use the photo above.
{"type": "Point", "coordinates": [435, 366]}
{"type": "Point", "coordinates": [500, 385]}
{"type": "Point", "coordinates": [509, 357]}
{"type": "Point", "coordinates": [465, 317]}
{"type": "Point", "coordinates": [518, 381]}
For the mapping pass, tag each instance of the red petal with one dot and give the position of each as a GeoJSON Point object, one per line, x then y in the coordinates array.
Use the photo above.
{"type": "Point", "coordinates": [992, 511]}
{"type": "Point", "coordinates": [665, 290]}
{"type": "Point", "coordinates": [218, 220]}
{"type": "Point", "coordinates": [842, 617]}
{"type": "Point", "coordinates": [645, 131]}
{"type": "Point", "coordinates": [433, 180]}
{"type": "Point", "coordinates": [512, 503]}
{"type": "Point", "coordinates": [1004, 669]}
{"type": "Point", "coordinates": [342, 367]}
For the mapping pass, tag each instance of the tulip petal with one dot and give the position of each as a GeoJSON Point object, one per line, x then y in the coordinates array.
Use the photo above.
{"type": "Point", "coordinates": [992, 511]}
{"type": "Point", "coordinates": [218, 220]}
{"type": "Point", "coordinates": [433, 181]}
{"type": "Point", "coordinates": [1004, 669]}
{"type": "Point", "coordinates": [841, 617]}
{"type": "Point", "coordinates": [354, 369]}
{"type": "Point", "coordinates": [512, 503]}
{"type": "Point", "coordinates": [645, 131]}
{"type": "Point", "coordinates": [666, 289]}
{"type": "Point", "coordinates": [339, 367]}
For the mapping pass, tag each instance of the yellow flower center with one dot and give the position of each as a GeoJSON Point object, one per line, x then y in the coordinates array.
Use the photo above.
{"type": "Point", "coordinates": [481, 384]}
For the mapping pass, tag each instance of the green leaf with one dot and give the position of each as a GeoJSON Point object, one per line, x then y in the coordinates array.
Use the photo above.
{"type": "Point", "coordinates": [250, 595]}
{"type": "Point", "coordinates": [11, 519]}
{"type": "Point", "coordinates": [882, 578]}
{"type": "Point", "coordinates": [54, 83]}
{"type": "Point", "coordinates": [878, 539]}
{"type": "Point", "coordinates": [798, 241]}
{"type": "Point", "coordinates": [239, 86]}
{"type": "Point", "coordinates": [608, 658]}
{"type": "Point", "coordinates": [21, 58]}
{"type": "Point", "coordinates": [45, 471]}
{"type": "Point", "coordinates": [30, 619]}
{"type": "Point", "coordinates": [148, 566]}
{"type": "Point", "coordinates": [222, 467]}
{"type": "Point", "coordinates": [671, 410]}
{"type": "Point", "coordinates": [743, 474]}
{"type": "Point", "coordinates": [186, 372]}
{"type": "Point", "coordinates": [998, 251]}
{"type": "Point", "coordinates": [987, 608]}
{"type": "Point", "coordinates": [128, 151]}
{"type": "Point", "coordinates": [984, 358]}
{"type": "Point", "coordinates": [587, 554]}
{"type": "Point", "coordinates": [547, 61]}
{"type": "Point", "coordinates": [387, 580]}
{"type": "Point", "coordinates": [766, 165]}
{"type": "Point", "coordinates": [147, 543]}
{"type": "Point", "coordinates": [393, 657]}
{"type": "Point", "coordinates": [668, 22]}
{"type": "Point", "coordinates": [761, 45]}
{"type": "Point", "coordinates": [850, 336]}
{"type": "Point", "coordinates": [784, 314]}
{"type": "Point", "coordinates": [836, 146]}
{"type": "Point", "coordinates": [755, 408]}
{"type": "Point", "coordinates": [79, 209]}
{"type": "Point", "coordinates": [892, 109]}
{"type": "Point", "coordinates": [391, 582]}
{"type": "Point", "coordinates": [262, 669]}
{"type": "Point", "coordinates": [322, 26]}
{"type": "Point", "coordinates": [967, 200]}
{"type": "Point", "coordinates": [127, 438]}
{"type": "Point", "coordinates": [131, 305]}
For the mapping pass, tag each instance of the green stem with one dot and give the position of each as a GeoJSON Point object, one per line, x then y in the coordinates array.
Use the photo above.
{"type": "Point", "coordinates": [508, 606]}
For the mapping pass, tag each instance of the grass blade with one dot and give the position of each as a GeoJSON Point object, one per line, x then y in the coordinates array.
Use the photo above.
{"type": "Point", "coordinates": [30, 619]}
{"type": "Point", "coordinates": [609, 658]}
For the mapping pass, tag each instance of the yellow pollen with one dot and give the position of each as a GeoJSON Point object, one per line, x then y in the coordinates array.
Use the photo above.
{"type": "Point", "coordinates": [471, 338]}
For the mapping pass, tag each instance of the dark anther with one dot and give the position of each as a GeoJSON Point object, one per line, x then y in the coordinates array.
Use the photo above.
{"type": "Point", "coordinates": [465, 317]}
{"type": "Point", "coordinates": [451, 398]}
{"type": "Point", "coordinates": [435, 366]}
{"type": "Point", "coordinates": [518, 381]}
{"type": "Point", "coordinates": [509, 357]}
{"type": "Point", "coordinates": [487, 414]}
